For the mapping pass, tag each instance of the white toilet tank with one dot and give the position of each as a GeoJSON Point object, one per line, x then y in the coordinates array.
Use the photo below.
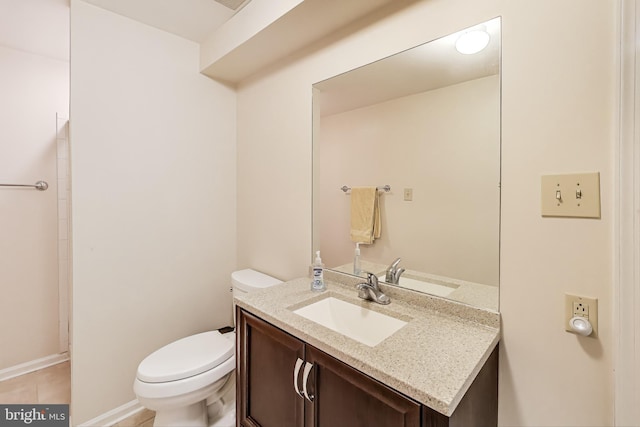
{"type": "Point", "coordinates": [248, 280]}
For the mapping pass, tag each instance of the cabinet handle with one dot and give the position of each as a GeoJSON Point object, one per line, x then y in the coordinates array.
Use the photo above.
{"type": "Point", "coordinates": [296, 372]}
{"type": "Point", "coordinates": [305, 379]}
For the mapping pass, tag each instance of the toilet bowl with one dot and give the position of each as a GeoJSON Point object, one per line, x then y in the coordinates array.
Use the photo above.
{"type": "Point", "coordinates": [191, 382]}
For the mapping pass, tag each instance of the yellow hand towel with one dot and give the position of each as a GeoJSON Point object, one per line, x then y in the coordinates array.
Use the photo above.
{"type": "Point", "coordinates": [365, 214]}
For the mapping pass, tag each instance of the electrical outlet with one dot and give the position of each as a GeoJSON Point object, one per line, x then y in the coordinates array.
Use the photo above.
{"type": "Point", "coordinates": [408, 194]}
{"type": "Point", "coordinates": [586, 307]}
{"type": "Point", "coordinates": [580, 309]}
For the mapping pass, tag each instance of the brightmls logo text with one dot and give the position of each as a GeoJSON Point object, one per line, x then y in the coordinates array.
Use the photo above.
{"type": "Point", "coordinates": [27, 417]}
{"type": "Point", "coordinates": [34, 415]}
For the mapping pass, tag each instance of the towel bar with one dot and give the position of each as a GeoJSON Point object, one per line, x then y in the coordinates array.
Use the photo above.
{"type": "Point", "coordinates": [40, 185]}
{"type": "Point", "coordinates": [385, 188]}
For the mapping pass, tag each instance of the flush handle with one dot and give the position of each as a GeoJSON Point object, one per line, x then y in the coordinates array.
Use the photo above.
{"type": "Point", "coordinates": [296, 373]}
{"type": "Point", "coordinates": [305, 379]}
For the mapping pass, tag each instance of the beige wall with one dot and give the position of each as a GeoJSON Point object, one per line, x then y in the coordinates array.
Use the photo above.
{"type": "Point", "coordinates": [34, 88]}
{"type": "Point", "coordinates": [558, 109]}
{"type": "Point", "coordinates": [444, 144]}
{"type": "Point", "coordinates": [153, 207]}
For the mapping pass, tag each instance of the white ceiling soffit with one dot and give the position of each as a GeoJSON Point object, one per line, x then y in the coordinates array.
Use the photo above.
{"type": "Point", "coordinates": [190, 19]}
{"type": "Point", "coordinates": [304, 24]}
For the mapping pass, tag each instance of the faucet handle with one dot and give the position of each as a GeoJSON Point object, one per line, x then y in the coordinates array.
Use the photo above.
{"type": "Point", "coordinates": [372, 278]}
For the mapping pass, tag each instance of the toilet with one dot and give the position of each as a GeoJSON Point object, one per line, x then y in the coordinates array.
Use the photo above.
{"type": "Point", "coordinates": [190, 382]}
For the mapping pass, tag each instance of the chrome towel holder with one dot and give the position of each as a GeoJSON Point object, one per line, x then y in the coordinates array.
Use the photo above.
{"type": "Point", "coordinates": [40, 185]}
{"type": "Point", "coordinates": [385, 188]}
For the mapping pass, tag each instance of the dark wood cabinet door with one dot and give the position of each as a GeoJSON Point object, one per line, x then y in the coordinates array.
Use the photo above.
{"type": "Point", "coordinates": [266, 357]}
{"type": "Point", "coordinates": [345, 397]}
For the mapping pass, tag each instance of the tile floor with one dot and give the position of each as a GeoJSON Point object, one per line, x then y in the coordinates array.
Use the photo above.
{"type": "Point", "coordinates": [52, 385]}
{"type": "Point", "coordinates": [48, 385]}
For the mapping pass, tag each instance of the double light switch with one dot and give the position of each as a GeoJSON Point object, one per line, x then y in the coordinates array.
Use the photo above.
{"type": "Point", "coordinates": [571, 195]}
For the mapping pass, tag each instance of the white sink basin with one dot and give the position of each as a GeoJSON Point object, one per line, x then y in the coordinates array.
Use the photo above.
{"type": "Point", "coordinates": [424, 286]}
{"type": "Point", "coordinates": [359, 323]}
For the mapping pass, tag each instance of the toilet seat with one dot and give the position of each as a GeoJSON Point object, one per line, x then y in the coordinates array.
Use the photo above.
{"type": "Point", "coordinates": [186, 358]}
{"type": "Point", "coordinates": [173, 389]}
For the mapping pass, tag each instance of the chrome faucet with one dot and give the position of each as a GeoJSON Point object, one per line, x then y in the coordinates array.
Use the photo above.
{"type": "Point", "coordinates": [394, 273]}
{"type": "Point", "coordinates": [371, 291]}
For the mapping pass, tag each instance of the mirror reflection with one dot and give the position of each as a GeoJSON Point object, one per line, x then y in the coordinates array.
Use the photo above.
{"type": "Point", "coordinates": [426, 123]}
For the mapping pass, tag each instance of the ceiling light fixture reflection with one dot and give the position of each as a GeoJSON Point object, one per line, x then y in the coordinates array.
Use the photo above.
{"type": "Point", "coordinates": [472, 42]}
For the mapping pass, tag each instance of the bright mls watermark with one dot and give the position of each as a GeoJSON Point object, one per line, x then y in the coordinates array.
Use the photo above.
{"type": "Point", "coordinates": [34, 415]}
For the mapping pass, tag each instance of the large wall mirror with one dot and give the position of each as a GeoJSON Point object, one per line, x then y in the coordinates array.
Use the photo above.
{"type": "Point", "coordinates": [425, 122]}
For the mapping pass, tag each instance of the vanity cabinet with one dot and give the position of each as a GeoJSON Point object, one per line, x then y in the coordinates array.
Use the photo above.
{"type": "Point", "coordinates": [284, 382]}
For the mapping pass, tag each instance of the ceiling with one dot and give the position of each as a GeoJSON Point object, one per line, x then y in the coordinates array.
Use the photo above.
{"type": "Point", "coordinates": [191, 19]}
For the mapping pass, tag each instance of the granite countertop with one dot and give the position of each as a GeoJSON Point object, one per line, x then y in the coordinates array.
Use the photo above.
{"type": "Point", "coordinates": [433, 359]}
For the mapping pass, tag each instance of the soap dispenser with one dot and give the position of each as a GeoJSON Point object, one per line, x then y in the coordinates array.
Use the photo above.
{"type": "Point", "coordinates": [317, 284]}
{"type": "Point", "coordinates": [356, 261]}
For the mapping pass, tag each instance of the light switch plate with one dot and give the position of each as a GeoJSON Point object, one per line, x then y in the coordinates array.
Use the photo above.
{"type": "Point", "coordinates": [571, 195]}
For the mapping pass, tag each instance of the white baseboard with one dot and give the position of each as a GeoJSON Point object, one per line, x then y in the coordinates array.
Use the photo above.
{"type": "Point", "coordinates": [33, 365]}
{"type": "Point", "coordinates": [116, 415]}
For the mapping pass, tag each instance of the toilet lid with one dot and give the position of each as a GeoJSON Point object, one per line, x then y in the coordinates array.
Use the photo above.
{"type": "Point", "coordinates": [186, 357]}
